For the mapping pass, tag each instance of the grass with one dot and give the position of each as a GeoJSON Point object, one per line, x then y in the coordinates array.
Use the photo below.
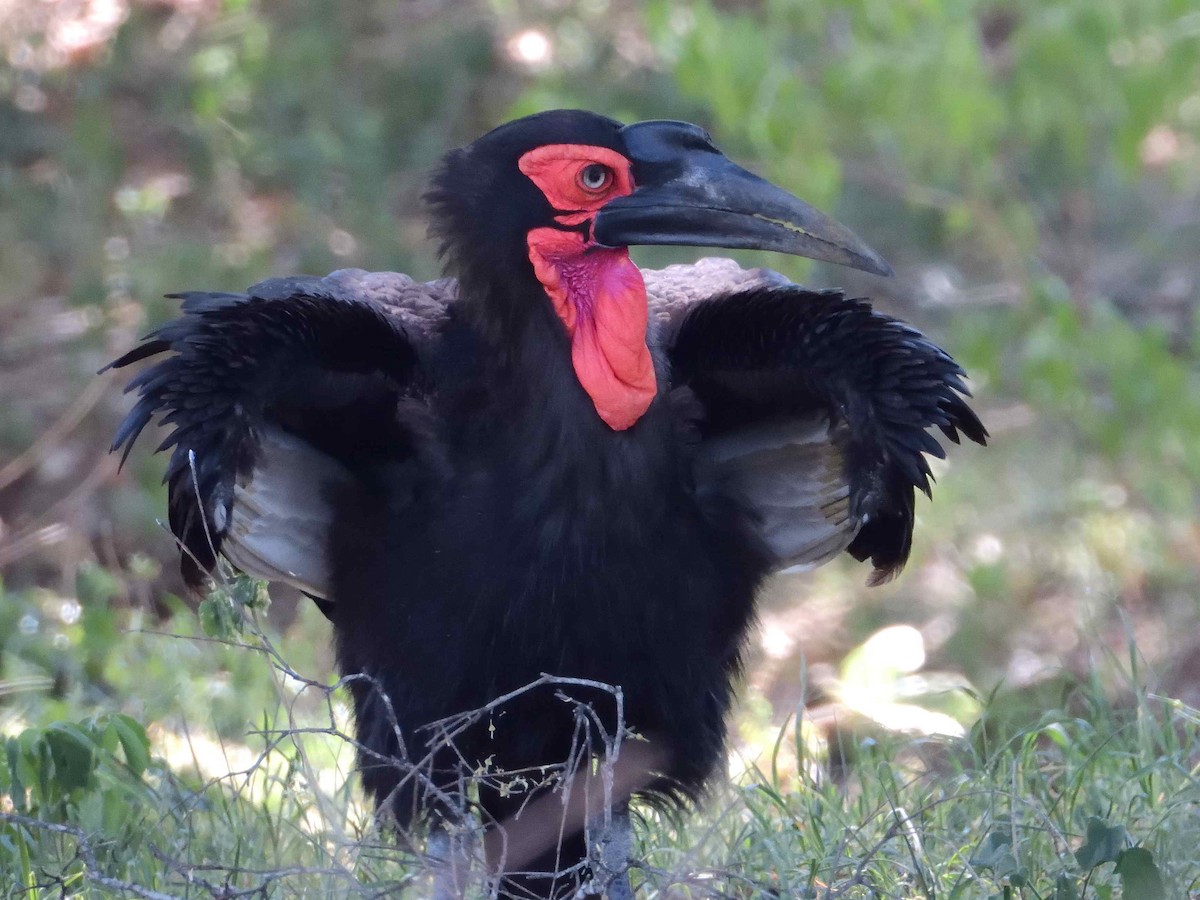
{"type": "Point", "coordinates": [988, 816]}
{"type": "Point", "coordinates": [1096, 798]}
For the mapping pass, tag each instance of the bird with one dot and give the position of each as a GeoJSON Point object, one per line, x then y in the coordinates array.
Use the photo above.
{"type": "Point", "coordinates": [550, 474]}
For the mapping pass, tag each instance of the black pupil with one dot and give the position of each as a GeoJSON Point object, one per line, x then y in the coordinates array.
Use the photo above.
{"type": "Point", "coordinates": [594, 176]}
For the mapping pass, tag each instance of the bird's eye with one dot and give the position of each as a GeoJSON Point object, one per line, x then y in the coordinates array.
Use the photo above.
{"type": "Point", "coordinates": [595, 177]}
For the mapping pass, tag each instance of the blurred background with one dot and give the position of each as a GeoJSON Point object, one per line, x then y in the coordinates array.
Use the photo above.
{"type": "Point", "coordinates": [1031, 169]}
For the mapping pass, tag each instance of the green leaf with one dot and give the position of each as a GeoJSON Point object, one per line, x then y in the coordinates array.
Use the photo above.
{"type": "Point", "coordinates": [217, 618]}
{"type": "Point", "coordinates": [210, 617]}
{"type": "Point", "coordinates": [996, 854]}
{"type": "Point", "coordinates": [1104, 843]}
{"type": "Point", "coordinates": [32, 765]}
{"type": "Point", "coordinates": [134, 742]}
{"type": "Point", "coordinates": [74, 755]}
{"type": "Point", "coordinates": [1139, 875]}
{"type": "Point", "coordinates": [16, 787]}
{"type": "Point", "coordinates": [251, 594]}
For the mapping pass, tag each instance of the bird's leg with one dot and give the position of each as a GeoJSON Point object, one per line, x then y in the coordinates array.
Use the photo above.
{"type": "Point", "coordinates": [440, 850]}
{"type": "Point", "coordinates": [615, 849]}
{"type": "Point", "coordinates": [451, 850]}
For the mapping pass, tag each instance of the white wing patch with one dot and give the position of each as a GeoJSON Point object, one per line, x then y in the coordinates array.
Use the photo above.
{"type": "Point", "coordinates": [790, 474]}
{"type": "Point", "coordinates": [281, 517]}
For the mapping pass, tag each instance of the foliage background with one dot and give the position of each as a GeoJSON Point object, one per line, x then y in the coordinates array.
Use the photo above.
{"type": "Point", "coordinates": [1031, 169]}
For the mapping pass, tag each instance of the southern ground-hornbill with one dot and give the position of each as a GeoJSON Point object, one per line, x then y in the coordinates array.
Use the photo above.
{"type": "Point", "coordinates": [551, 462]}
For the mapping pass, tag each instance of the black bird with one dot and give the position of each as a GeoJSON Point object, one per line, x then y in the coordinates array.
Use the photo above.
{"type": "Point", "coordinates": [551, 462]}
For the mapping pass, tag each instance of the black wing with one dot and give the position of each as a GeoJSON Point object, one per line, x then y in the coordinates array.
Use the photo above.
{"type": "Point", "coordinates": [817, 413]}
{"type": "Point", "coordinates": [270, 397]}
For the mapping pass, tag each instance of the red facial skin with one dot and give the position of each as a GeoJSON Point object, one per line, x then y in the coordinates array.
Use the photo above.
{"type": "Point", "coordinates": [597, 292]}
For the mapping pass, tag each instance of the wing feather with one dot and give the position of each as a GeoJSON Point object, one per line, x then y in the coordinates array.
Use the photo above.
{"type": "Point", "coordinates": [790, 473]}
{"type": "Point", "coordinates": [271, 395]}
{"type": "Point", "coordinates": [282, 512]}
{"type": "Point", "coordinates": [816, 410]}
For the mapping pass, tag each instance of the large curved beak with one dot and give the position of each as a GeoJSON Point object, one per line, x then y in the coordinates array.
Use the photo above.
{"type": "Point", "coordinates": [688, 193]}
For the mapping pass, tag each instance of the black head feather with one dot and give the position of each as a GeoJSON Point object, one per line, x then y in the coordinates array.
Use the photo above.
{"type": "Point", "coordinates": [481, 206]}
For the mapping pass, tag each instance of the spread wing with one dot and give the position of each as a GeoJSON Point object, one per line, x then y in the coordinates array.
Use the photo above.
{"type": "Point", "coordinates": [271, 398]}
{"type": "Point", "coordinates": [817, 411]}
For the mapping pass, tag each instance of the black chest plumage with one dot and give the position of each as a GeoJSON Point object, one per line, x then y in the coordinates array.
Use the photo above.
{"type": "Point", "coordinates": [547, 544]}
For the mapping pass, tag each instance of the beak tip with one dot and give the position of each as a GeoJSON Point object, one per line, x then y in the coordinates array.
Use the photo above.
{"type": "Point", "coordinates": [881, 267]}
{"type": "Point", "coordinates": [858, 255]}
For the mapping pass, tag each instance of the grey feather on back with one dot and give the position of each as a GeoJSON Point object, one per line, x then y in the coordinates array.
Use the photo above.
{"type": "Point", "coordinates": [671, 291]}
{"type": "Point", "coordinates": [421, 305]}
{"type": "Point", "coordinates": [424, 305]}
